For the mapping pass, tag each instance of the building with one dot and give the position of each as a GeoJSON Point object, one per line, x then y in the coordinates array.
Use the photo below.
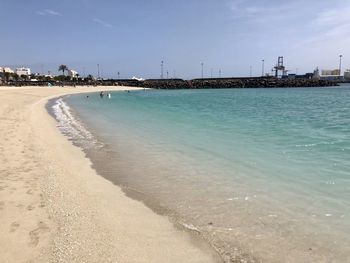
{"type": "Point", "coordinates": [6, 70]}
{"type": "Point", "coordinates": [327, 72]}
{"type": "Point", "coordinates": [331, 75]}
{"type": "Point", "coordinates": [347, 75]}
{"type": "Point", "coordinates": [23, 71]}
{"type": "Point", "coordinates": [295, 76]}
{"type": "Point", "coordinates": [72, 73]}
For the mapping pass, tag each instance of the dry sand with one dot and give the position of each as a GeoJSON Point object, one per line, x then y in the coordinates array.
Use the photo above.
{"type": "Point", "coordinates": [55, 208]}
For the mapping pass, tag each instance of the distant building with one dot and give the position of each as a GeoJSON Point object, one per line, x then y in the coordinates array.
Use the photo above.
{"type": "Point", "coordinates": [72, 73]}
{"type": "Point", "coordinates": [334, 72]}
{"type": "Point", "coordinates": [290, 76]}
{"type": "Point", "coordinates": [331, 75]}
{"type": "Point", "coordinates": [347, 75]}
{"type": "Point", "coordinates": [316, 74]}
{"type": "Point", "coordinates": [294, 76]}
{"type": "Point", "coordinates": [6, 70]}
{"type": "Point", "coordinates": [23, 71]}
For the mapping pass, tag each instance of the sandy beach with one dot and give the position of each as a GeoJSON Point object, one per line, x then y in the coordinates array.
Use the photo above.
{"type": "Point", "coordinates": [55, 208]}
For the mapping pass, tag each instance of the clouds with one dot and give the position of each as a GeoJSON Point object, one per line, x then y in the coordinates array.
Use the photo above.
{"type": "Point", "coordinates": [297, 19]}
{"type": "Point", "coordinates": [102, 23]}
{"type": "Point", "coordinates": [242, 32]}
{"type": "Point", "coordinates": [335, 22]}
{"type": "Point", "coordinates": [258, 12]}
{"type": "Point", "coordinates": [48, 12]}
{"type": "Point", "coordinates": [333, 17]}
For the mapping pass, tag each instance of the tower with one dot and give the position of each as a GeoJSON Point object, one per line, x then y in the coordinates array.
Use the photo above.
{"type": "Point", "coordinates": [280, 67]}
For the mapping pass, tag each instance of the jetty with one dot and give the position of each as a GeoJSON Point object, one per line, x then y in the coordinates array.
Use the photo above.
{"type": "Point", "coordinates": [205, 83]}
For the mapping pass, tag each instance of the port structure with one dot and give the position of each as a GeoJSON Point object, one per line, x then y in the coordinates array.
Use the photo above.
{"type": "Point", "coordinates": [280, 69]}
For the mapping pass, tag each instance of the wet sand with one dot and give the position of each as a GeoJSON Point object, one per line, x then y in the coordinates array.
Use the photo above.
{"type": "Point", "coordinates": [55, 208]}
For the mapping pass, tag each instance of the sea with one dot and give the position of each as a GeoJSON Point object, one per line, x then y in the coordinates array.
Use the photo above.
{"type": "Point", "coordinates": [263, 175]}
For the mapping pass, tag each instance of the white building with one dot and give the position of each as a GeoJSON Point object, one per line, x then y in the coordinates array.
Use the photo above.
{"type": "Point", "coordinates": [72, 73]}
{"type": "Point", "coordinates": [23, 71]}
{"type": "Point", "coordinates": [6, 70]}
{"type": "Point", "coordinates": [332, 72]}
{"type": "Point", "coordinates": [347, 75]}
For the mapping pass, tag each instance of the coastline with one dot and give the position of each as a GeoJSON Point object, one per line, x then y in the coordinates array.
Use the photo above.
{"type": "Point", "coordinates": [56, 208]}
{"type": "Point", "coordinates": [309, 248]}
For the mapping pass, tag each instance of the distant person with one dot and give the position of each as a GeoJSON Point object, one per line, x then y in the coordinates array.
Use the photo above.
{"type": "Point", "coordinates": [101, 94]}
{"type": "Point", "coordinates": [87, 96]}
{"type": "Point", "coordinates": [109, 95]}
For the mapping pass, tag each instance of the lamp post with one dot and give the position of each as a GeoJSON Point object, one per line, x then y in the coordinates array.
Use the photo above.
{"type": "Point", "coordinates": [161, 69]}
{"type": "Point", "coordinates": [98, 71]}
{"type": "Point", "coordinates": [202, 64]}
{"type": "Point", "coordinates": [340, 57]}
{"type": "Point", "coordinates": [263, 67]}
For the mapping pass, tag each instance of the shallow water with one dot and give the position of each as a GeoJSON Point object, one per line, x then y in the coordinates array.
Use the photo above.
{"type": "Point", "coordinates": [262, 174]}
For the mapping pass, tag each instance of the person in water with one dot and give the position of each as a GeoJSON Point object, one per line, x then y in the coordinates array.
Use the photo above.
{"type": "Point", "coordinates": [101, 94]}
{"type": "Point", "coordinates": [109, 95]}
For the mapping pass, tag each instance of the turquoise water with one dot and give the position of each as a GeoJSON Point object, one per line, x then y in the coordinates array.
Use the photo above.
{"type": "Point", "coordinates": [261, 174]}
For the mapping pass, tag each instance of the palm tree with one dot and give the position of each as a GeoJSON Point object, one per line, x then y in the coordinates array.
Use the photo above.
{"type": "Point", "coordinates": [15, 76]}
{"type": "Point", "coordinates": [62, 68]}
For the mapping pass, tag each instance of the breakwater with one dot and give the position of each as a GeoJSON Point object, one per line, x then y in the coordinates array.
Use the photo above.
{"type": "Point", "coordinates": [268, 82]}
{"type": "Point", "coordinates": [258, 82]}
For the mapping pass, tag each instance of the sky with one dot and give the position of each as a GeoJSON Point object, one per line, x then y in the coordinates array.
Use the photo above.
{"type": "Point", "coordinates": [133, 36]}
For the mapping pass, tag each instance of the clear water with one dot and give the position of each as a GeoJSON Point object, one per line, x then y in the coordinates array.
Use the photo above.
{"type": "Point", "coordinates": [262, 174]}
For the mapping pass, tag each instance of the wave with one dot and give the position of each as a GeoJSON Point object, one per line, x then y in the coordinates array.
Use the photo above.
{"type": "Point", "coordinates": [72, 127]}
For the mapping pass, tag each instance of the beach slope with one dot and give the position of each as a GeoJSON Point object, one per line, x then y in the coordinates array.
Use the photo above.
{"type": "Point", "coordinates": [55, 208]}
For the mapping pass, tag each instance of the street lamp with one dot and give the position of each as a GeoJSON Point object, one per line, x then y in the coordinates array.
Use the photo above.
{"type": "Point", "coordinates": [340, 57]}
{"type": "Point", "coordinates": [161, 69]}
{"type": "Point", "coordinates": [263, 67]}
{"type": "Point", "coordinates": [202, 64]}
{"type": "Point", "coordinates": [98, 71]}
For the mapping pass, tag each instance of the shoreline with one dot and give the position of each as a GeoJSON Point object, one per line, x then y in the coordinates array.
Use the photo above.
{"type": "Point", "coordinates": [97, 153]}
{"type": "Point", "coordinates": [58, 208]}
{"type": "Point", "coordinates": [153, 198]}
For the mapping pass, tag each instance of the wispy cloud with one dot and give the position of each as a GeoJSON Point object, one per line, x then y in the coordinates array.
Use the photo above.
{"type": "Point", "coordinates": [48, 12]}
{"type": "Point", "coordinates": [333, 17]}
{"type": "Point", "coordinates": [103, 23]}
{"type": "Point", "coordinates": [325, 33]}
{"type": "Point", "coordinates": [332, 23]}
{"type": "Point", "coordinates": [256, 12]}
